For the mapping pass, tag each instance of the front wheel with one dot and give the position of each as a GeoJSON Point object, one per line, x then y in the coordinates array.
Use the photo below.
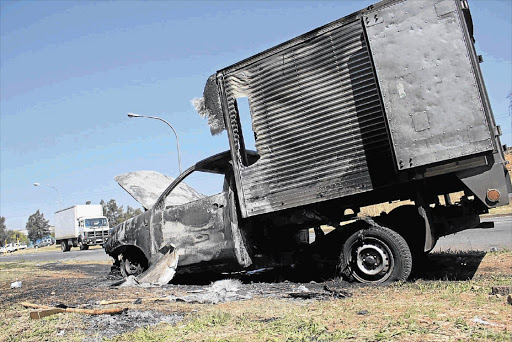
{"type": "Point", "coordinates": [83, 247]}
{"type": "Point", "coordinates": [375, 255]}
{"type": "Point", "coordinates": [131, 265]}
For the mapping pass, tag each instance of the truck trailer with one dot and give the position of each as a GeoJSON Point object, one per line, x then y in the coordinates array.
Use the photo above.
{"type": "Point", "coordinates": [386, 104]}
{"type": "Point", "coordinates": [81, 226]}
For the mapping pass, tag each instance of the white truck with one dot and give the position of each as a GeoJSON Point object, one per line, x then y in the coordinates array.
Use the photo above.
{"type": "Point", "coordinates": [13, 247]}
{"type": "Point", "coordinates": [81, 226]}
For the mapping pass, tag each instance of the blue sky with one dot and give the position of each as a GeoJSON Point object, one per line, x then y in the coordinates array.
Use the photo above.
{"type": "Point", "coordinates": [72, 70]}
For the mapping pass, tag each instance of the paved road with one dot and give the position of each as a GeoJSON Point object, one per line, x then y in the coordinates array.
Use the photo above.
{"type": "Point", "coordinates": [499, 237]}
{"type": "Point", "coordinates": [74, 255]}
{"type": "Point", "coordinates": [486, 239]}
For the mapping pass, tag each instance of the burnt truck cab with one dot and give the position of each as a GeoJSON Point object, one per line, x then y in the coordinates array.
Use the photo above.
{"type": "Point", "coordinates": [203, 233]}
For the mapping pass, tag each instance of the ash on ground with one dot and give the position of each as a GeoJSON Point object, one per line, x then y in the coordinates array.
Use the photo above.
{"type": "Point", "coordinates": [102, 326]}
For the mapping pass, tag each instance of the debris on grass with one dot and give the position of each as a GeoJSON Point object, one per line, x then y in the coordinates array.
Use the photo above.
{"type": "Point", "coordinates": [45, 310]}
{"type": "Point", "coordinates": [132, 300]}
{"type": "Point", "coordinates": [441, 302]}
{"type": "Point", "coordinates": [306, 295]}
{"type": "Point", "coordinates": [481, 321]}
{"type": "Point", "coordinates": [338, 293]}
{"type": "Point", "coordinates": [16, 285]}
{"type": "Point", "coordinates": [327, 292]}
{"type": "Point", "coordinates": [221, 291]}
{"type": "Point", "coordinates": [501, 290]}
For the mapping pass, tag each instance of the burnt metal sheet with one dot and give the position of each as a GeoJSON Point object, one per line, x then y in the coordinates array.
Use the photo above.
{"type": "Point", "coordinates": [146, 186]}
{"type": "Point", "coordinates": [433, 98]}
{"type": "Point", "coordinates": [198, 233]}
{"type": "Point", "coordinates": [200, 230]}
{"type": "Point", "coordinates": [316, 115]}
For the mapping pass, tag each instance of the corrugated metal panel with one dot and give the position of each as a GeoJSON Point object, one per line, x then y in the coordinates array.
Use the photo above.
{"type": "Point", "coordinates": [317, 117]}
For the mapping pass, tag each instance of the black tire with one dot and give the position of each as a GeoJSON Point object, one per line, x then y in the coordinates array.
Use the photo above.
{"type": "Point", "coordinates": [375, 255]}
{"type": "Point", "coordinates": [64, 246]}
{"type": "Point", "coordinates": [83, 247]}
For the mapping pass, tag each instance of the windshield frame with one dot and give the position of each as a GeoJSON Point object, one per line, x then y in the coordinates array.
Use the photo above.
{"type": "Point", "coordinates": [218, 163]}
{"type": "Point", "coordinates": [103, 221]}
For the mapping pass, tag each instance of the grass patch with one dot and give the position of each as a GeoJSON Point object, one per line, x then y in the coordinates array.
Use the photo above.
{"type": "Point", "coordinates": [437, 310]}
{"type": "Point", "coordinates": [15, 325]}
{"type": "Point", "coordinates": [7, 266]}
{"type": "Point", "coordinates": [421, 310]}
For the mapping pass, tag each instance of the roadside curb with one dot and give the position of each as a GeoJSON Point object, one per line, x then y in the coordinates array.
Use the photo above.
{"type": "Point", "coordinates": [495, 215]}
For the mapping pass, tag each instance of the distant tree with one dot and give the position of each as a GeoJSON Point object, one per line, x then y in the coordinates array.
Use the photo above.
{"type": "Point", "coordinates": [10, 237]}
{"type": "Point", "coordinates": [15, 236]}
{"type": "Point", "coordinates": [115, 214]}
{"type": "Point", "coordinates": [22, 238]}
{"type": "Point", "coordinates": [3, 231]}
{"type": "Point", "coordinates": [37, 226]}
{"type": "Point", "coordinates": [130, 212]}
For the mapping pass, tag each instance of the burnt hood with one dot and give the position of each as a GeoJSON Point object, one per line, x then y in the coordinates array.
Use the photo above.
{"type": "Point", "coordinates": [146, 186]}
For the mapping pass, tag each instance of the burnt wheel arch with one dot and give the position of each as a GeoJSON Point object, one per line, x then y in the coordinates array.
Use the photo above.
{"type": "Point", "coordinates": [131, 260]}
{"type": "Point", "coordinates": [406, 221]}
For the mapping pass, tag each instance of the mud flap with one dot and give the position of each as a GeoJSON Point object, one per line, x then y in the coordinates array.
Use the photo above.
{"type": "Point", "coordinates": [425, 212]}
{"type": "Point", "coordinates": [162, 271]}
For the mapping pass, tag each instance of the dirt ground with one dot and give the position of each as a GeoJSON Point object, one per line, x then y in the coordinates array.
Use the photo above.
{"type": "Point", "coordinates": [84, 285]}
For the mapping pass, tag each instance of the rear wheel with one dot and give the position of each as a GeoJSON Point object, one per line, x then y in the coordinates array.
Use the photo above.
{"type": "Point", "coordinates": [375, 255]}
{"type": "Point", "coordinates": [64, 246]}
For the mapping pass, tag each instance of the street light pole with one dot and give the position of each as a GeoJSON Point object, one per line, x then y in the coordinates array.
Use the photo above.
{"type": "Point", "coordinates": [54, 188]}
{"type": "Point", "coordinates": [132, 115]}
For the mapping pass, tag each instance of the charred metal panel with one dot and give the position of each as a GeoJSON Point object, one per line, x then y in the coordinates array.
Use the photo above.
{"type": "Point", "coordinates": [200, 231]}
{"type": "Point", "coordinates": [132, 232]}
{"type": "Point", "coordinates": [433, 97]}
{"type": "Point", "coordinates": [316, 116]}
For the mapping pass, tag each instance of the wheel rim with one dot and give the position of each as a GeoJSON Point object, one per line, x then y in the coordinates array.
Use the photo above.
{"type": "Point", "coordinates": [371, 260]}
{"type": "Point", "coordinates": [132, 268]}
{"type": "Point", "coordinates": [63, 246]}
